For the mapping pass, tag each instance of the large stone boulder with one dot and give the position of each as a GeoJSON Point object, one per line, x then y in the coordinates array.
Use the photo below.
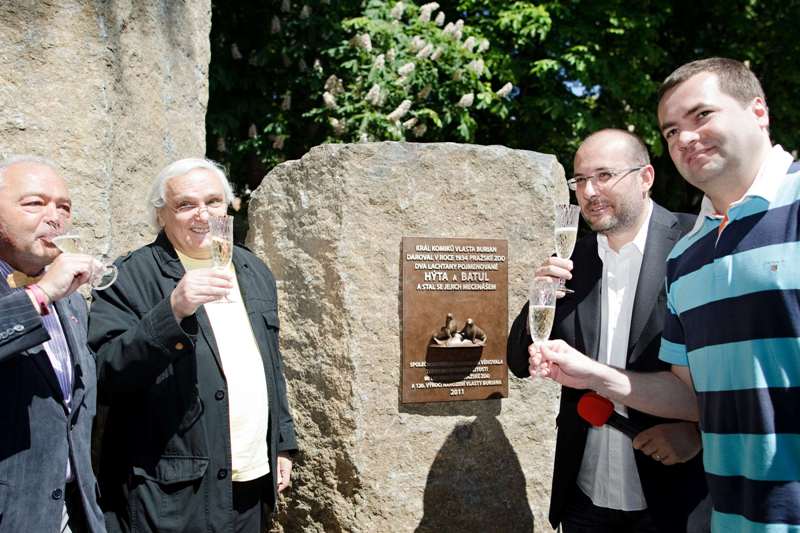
{"type": "Point", "coordinates": [330, 227]}
{"type": "Point", "coordinates": [112, 91]}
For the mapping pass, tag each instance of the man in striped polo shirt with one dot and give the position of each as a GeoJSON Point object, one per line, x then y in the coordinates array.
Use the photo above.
{"type": "Point", "coordinates": [733, 318]}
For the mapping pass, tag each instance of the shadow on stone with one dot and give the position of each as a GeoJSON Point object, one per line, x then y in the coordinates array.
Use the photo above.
{"type": "Point", "coordinates": [476, 483]}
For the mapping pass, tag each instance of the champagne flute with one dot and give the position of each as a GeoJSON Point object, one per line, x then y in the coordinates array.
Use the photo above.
{"type": "Point", "coordinates": [72, 243]}
{"type": "Point", "coordinates": [541, 307]}
{"type": "Point", "coordinates": [566, 233]}
{"type": "Point", "coordinates": [221, 231]}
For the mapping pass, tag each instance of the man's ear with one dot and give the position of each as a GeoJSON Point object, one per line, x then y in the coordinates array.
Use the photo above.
{"type": "Point", "coordinates": [759, 108]}
{"type": "Point", "coordinates": [646, 178]}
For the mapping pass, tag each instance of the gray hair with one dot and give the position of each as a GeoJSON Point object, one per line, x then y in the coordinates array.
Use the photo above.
{"type": "Point", "coordinates": [155, 200]}
{"type": "Point", "coordinates": [16, 159]}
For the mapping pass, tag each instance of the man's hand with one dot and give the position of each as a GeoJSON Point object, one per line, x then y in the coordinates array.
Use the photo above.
{"type": "Point", "coordinates": [561, 362]}
{"type": "Point", "coordinates": [670, 443]}
{"type": "Point", "coordinates": [284, 471]}
{"type": "Point", "coordinates": [665, 394]}
{"type": "Point", "coordinates": [199, 287]}
{"type": "Point", "coordinates": [66, 273]}
{"type": "Point", "coordinates": [557, 269]}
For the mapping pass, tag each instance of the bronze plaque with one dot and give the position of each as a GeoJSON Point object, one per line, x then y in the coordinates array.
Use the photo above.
{"type": "Point", "coordinates": [455, 319]}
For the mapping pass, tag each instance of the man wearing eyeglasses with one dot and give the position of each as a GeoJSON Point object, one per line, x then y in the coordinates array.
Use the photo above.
{"type": "Point", "coordinates": [603, 482]}
{"type": "Point", "coordinates": [199, 436]}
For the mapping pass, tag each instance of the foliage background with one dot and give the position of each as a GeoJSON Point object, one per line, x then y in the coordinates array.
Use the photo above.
{"type": "Point", "coordinates": [575, 65]}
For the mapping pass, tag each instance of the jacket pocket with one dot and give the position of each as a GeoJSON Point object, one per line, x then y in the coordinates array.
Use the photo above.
{"type": "Point", "coordinates": [271, 318]}
{"type": "Point", "coordinates": [169, 495]}
{"type": "Point", "coordinates": [272, 332]}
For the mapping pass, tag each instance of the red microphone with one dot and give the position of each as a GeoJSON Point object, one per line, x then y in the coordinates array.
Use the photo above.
{"type": "Point", "coordinates": [599, 411]}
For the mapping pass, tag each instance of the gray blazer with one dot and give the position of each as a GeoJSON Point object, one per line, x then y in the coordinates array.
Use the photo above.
{"type": "Point", "coordinates": [38, 430]}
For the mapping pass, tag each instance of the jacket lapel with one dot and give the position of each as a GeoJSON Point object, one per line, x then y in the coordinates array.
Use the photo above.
{"type": "Point", "coordinates": [248, 285]}
{"type": "Point", "coordinates": [587, 287]}
{"type": "Point", "coordinates": [167, 258]}
{"type": "Point", "coordinates": [662, 234]}
{"type": "Point", "coordinates": [39, 356]}
{"type": "Point", "coordinates": [242, 273]}
{"type": "Point", "coordinates": [204, 325]}
{"type": "Point", "coordinates": [68, 315]}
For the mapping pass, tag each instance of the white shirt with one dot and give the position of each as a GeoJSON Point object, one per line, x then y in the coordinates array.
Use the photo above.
{"type": "Point", "coordinates": [608, 474]}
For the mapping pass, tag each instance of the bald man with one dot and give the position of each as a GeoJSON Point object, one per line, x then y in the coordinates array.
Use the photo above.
{"type": "Point", "coordinates": [47, 373]}
{"type": "Point", "coordinates": [602, 481]}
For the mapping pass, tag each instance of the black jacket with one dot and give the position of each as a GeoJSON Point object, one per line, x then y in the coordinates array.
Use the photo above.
{"type": "Point", "coordinates": [165, 461]}
{"type": "Point", "coordinates": [671, 492]}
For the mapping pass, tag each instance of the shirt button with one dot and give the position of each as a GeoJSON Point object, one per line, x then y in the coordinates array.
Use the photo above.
{"type": "Point", "coordinates": [219, 395]}
{"type": "Point", "coordinates": [222, 474]}
{"type": "Point", "coordinates": [179, 346]}
{"type": "Point", "coordinates": [56, 494]}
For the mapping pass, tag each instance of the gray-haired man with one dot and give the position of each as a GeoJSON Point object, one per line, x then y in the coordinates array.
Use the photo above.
{"type": "Point", "coordinates": [47, 373]}
{"type": "Point", "coordinates": [199, 434]}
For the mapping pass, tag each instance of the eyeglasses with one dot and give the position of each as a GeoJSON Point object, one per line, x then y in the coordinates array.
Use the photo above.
{"type": "Point", "coordinates": [190, 209]}
{"type": "Point", "coordinates": [601, 178]}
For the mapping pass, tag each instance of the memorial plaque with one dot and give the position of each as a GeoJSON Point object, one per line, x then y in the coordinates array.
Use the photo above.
{"type": "Point", "coordinates": [455, 319]}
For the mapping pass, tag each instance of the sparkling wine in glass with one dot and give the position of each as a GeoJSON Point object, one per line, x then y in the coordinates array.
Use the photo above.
{"type": "Point", "coordinates": [221, 231]}
{"type": "Point", "coordinates": [541, 307]}
{"type": "Point", "coordinates": [68, 244]}
{"type": "Point", "coordinates": [566, 233]}
{"type": "Point", "coordinates": [221, 252]}
{"type": "Point", "coordinates": [100, 279]}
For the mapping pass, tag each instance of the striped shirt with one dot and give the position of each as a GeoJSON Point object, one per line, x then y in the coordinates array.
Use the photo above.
{"type": "Point", "coordinates": [56, 348]}
{"type": "Point", "coordinates": [733, 318]}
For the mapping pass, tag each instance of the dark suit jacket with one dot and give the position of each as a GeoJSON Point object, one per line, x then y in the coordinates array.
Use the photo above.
{"type": "Point", "coordinates": [673, 491]}
{"type": "Point", "coordinates": [38, 431]}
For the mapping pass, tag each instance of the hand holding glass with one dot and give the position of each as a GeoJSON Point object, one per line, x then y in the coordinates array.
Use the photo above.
{"type": "Point", "coordinates": [72, 244]}
{"type": "Point", "coordinates": [566, 233]}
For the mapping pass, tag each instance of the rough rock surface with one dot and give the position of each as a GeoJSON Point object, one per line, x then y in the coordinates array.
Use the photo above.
{"type": "Point", "coordinates": [112, 91]}
{"type": "Point", "coordinates": [330, 226]}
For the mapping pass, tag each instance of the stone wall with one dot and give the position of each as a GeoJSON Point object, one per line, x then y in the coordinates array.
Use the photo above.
{"type": "Point", "coordinates": [112, 91]}
{"type": "Point", "coordinates": [330, 226]}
